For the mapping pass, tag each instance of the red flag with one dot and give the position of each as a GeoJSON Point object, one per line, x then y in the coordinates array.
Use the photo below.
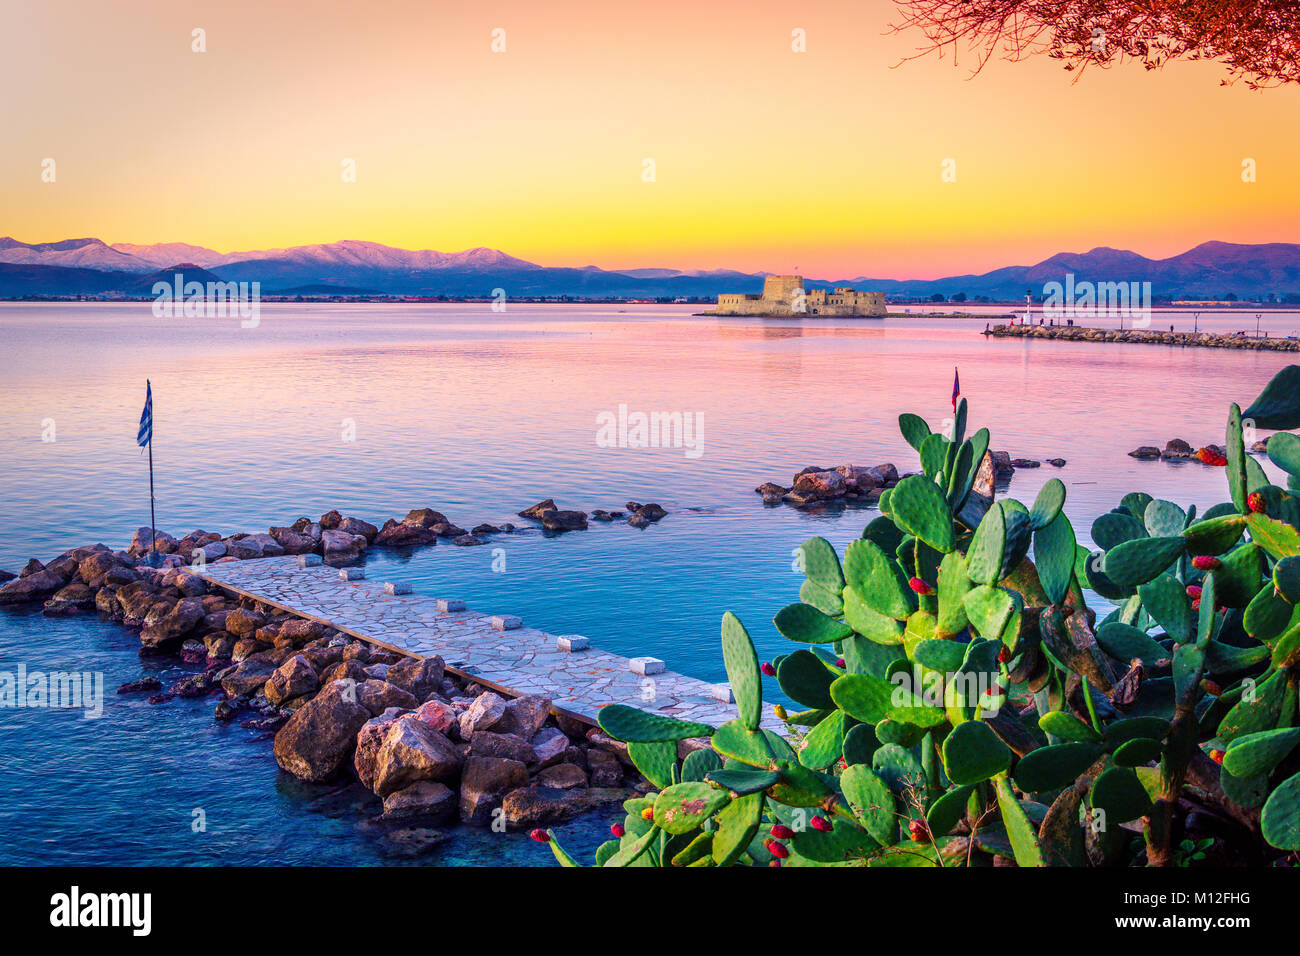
{"type": "Point", "coordinates": [956, 388]}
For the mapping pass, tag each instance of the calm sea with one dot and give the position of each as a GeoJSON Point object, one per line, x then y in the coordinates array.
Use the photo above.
{"type": "Point", "coordinates": [376, 409]}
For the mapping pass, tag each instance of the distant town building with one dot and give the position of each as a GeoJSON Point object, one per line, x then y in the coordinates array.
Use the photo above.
{"type": "Point", "coordinates": [786, 296]}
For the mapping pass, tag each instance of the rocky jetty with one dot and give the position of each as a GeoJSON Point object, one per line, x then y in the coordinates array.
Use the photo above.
{"type": "Point", "coordinates": [1208, 340]}
{"type": "Point", "coordinates": [432, 747]}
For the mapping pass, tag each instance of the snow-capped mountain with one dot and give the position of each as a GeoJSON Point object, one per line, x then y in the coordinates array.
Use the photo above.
{"type": "Point", "coordinates": [1210, 270]}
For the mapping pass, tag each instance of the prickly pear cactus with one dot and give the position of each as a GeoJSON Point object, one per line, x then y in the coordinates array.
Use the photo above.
{"type": "Point", "coordinates": [964, 702]}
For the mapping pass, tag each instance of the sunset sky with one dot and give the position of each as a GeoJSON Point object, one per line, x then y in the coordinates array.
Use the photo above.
{"type": "Point", "coordinates": [827, 161]}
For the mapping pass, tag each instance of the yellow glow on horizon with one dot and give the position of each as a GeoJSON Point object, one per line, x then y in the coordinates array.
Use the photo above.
{"type": "Point", "coordinates": [765, 159]}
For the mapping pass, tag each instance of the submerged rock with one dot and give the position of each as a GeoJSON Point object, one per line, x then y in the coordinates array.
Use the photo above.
{"type": "Point", "coordinates": [484, 781]}
{"type": "Point", "coordinates": [422, 799]}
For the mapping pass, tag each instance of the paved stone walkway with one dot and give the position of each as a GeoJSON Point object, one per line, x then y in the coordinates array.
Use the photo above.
{"type": "Point", "coordinates": [497, 652]}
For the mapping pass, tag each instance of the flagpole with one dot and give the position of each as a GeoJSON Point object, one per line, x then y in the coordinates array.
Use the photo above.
{"type": "Point", "coordinates": [153, 521]}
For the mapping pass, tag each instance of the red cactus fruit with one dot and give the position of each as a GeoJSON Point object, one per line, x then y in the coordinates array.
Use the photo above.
{"type": "Point", "coordinates": [775, 863]}
{"type": "Point", "coordinates": [1210, 687]}
{"type": "Point", "coordinates": [618, 830]}
{"type": "Point", "coordinates": [1216, 755]}
{"type": "Point", "coordinates": [919, 831]}
{"type": "Point", "coordinates": [1004, 654]}
{"type": "Point", "coordinates": [1196, 605]}
{"type": "Point", "coordinates": [821, 823]}
{"type": "Point", "coordinates": [1193, 591]}
{"type": "Point", "coordinates": [1255, 502]}
{"type": "Point", "coordinates": [919, 586]}
{"type": "Point", "coordinates": [648, 813]}
{"type": "Point", "coordinates": [1206, 562]}
{"type": "Point", "coordinates": [839, 662]}
{"type": "Point", "coordinates": [781, 832]}
{"type": "Point", "coordinates": [778, 850]}
{"type": "Point", "coordinates": [541, 836]}
{"type": "Point", "coordinates": [767, 668]}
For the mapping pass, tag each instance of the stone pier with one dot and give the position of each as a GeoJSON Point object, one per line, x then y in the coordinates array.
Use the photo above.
{"type": "Point", "coordinates": [498, 652]}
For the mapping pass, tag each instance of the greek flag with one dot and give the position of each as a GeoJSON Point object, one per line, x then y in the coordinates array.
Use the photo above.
{"type": "Point", "coordinates": [145, 435]}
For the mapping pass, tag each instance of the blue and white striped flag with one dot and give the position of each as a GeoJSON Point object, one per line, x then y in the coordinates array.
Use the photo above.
{"type": "Point", "coordinates": [146, 417]}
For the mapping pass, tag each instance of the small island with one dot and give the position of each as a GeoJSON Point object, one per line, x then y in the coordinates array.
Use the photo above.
{"type": "Point", "coordinates": [785, 297]}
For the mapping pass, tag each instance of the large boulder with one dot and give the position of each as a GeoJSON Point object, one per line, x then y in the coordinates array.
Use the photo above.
{"type": "Point", "coordinates": [420, 678]}
{"type": "Point", "coordinates": [438, 714]}
{"type": "Point", "coordinates": [293, 678]}
{"type": "Point", "coordinates": [244, 547]}
{"type": "Point", "coordinates": [541, 806]}
{"type": "Point", "coordinates": [70, 599]}
{"type": "Point", "coordinates": [342, 547]}
{"type": "Point", "coordinates": [549, 745]}
{"type": "Point", "coordinates": [178, 622]}
{"type": "Point", "coordinates": [292, 541]}
{"type": "Point", "coordinates": [424, 518]}
{"type": "Point", "coordinates": [563, 520]}
{"type": "Point", "coordinates": [536, 511]}
{"type": "Point", "coordinates": [369, 740]}
{"type": "Point", "coordinates": [604, 768]}
{"type": "Point", "coordinates": [357, 526]}
{"type": "Point", "coordinates": [484, 781]}
{"type": "Point", "coordinates": [488, 708]}
{"type": "Point", "coordinates": [411, 751]}
{"type": "Point", "coordinates": [33, 587]}
{"type": "Point", "coordinates": [344, 670]}
{"type": "Point", "coordinates": [147, 539]}
{"type": "Point", "coordinates": [400, 535]}
{"type": "Point", "coordinates": [247, 677]}
{"type": "Point", "coordinates": [485, 743]}
{"type": "Point", "coordinates": [524, 716]}
{"type": "Point", "coordinates": [319, 738]}
{"type": "Point", "coordinates": [299, 631]}
{"type": "Point", "coordinates": [244, 623]}
{"type": "Point", "coordinates": [379, 695]}
{"type": "Point", "coordinates": [93, 568]}
{"type": "Point", "coordinates": [563, 776]}
{"type": "Point", "coordinates": [821, 484]}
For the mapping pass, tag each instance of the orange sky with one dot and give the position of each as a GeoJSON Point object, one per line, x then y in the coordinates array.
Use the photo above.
{"type": "Point", "coordinates": [766, 159]}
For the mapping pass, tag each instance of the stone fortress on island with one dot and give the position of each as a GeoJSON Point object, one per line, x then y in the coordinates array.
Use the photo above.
{"type": "Point", "coordinates": [785, 296]}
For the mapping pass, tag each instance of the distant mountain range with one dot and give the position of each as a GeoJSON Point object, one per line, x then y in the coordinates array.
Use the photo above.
{"type": "Point", "coordinates": [1212, 270]}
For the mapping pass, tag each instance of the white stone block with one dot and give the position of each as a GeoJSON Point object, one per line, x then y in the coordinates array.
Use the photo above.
{"type": "Point", "coordinates": [446, 606]}
{"type": "Point", "coordinates": [722, 692]}
{"type": "Point", "coordinates": [352, 574]}
{"type": "Point", "coordinates": [396, 587]}
{"type": "Point", "coordinates": [572, 642]}
{"type": "Point", "coordinates": [645, 665]}
{"type": "Point", "coordinates": [309, 560]}
{"type": "Point", "coordinates": [506, 622]}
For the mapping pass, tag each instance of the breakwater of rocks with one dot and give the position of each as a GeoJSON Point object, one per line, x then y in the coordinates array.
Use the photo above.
{"type": "Point", "coordinates": [433, 747]}
{"type": "Point", "coordinates": [1208, 340]}
{"type": "Point", "coordinates": [816, 486]}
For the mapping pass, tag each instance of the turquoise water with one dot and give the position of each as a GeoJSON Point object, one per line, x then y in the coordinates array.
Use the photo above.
{"type": "Point", "coordinates": [480, 414]}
